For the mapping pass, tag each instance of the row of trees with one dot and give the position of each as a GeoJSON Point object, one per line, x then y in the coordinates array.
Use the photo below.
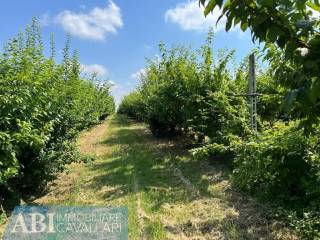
{"type": "Point", "coordinates": [43, 106]}
{"type": "Point", "coordinates": [199, 94]}
{"type": "Point", "coordinates": [289, 161]}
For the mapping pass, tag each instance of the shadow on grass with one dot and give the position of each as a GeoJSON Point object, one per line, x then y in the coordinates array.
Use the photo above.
{"type": "Point", "coordinates": [142, 163]}
{"type": "Point", "coordinates": [151, 162]}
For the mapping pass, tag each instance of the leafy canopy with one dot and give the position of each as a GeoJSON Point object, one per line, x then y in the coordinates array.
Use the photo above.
{"type": "Point", "coordinates": [290, 32]}
{"type": "Point", "coordinates": [43, 106]}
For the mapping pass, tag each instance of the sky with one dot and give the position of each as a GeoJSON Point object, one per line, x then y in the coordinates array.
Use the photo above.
{"type": "Point", "coordinates": [114, 38]}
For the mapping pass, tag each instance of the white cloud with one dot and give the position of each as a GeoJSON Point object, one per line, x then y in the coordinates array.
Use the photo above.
{"type": "Point", "coordinates": [138, 74]}
{"type": "Point", "coordinates": [44, 20]}
{"type": "Point", "coordinates": [189, 16]}
{"type": "Point", "coordinates": [100, 70]}
{"type": "Point", "coordinates": [95, 24]}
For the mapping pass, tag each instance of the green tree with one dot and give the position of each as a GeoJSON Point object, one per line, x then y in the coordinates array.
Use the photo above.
{"type": "Point", "coordinates": [290, 33]}
{"type": "Point", "coordinates": [43, 106]}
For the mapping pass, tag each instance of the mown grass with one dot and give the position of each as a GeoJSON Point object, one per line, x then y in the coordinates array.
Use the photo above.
{"type": "Point", "coordinates": [169, 195]}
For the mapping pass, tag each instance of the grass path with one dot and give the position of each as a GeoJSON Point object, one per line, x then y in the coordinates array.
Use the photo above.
{"type": "Point", "coordinates": [169, 195]}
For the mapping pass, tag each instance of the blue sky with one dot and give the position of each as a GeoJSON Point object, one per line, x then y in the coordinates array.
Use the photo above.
{"type": "Point", "coordinates": [115, 37]}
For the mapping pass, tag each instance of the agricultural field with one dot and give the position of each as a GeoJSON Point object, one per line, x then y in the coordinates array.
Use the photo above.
{"type": "Point", "coordinates": [156, 179]}
{"type": "Point", "coordinates": [202, 142]}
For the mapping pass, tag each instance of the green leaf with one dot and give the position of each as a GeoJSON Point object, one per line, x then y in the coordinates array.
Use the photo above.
{"type": "Point", "coordinates": [266, 3]}
{"type": "Point", "coordinates": [244, 26]}
{"type": "Point", "coordinates": [202, 2]}
{"type": "Point", "coordinates": [210, 6]}
{"type": "Point", "coordinates": [315, 91]}
{"type": "Point", "coordinates": [289, 99]}
{"type": "Point", "coordinates": [219, 3]}
{"type": "Point", "coordinates": [236, 20]}
{"type": "Point", "coordinates": [229, 24]}
{"type": "Point", "coordinates": [313, 6]}
{"type": "Point", "coordinates": [260, 20]}
{"type": "Point", "coordinates": [273, 33]}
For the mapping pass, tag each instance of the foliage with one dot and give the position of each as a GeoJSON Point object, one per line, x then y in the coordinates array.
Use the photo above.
{"type": "Point", "coordinates": [201, 94]}
{"type": "Point", "coordinates": [307, 224]}
{"type": "Point", "coordinates": [43, 105]}
{"type": "Point", "coordinates": [284, 165]}
{"type": "Point", "coordinates": [217, 152]}
{"type": "Point", "coordinates": [270, 93]}
{"type": "Point", "coordinates": [133, 106]}
{"type": "Point", "coordinates": [194, 93]}
{"type": "Point", "coordinates": [164, 90]}
{"type": "Point", "coordinates": [187, 91]}
{"type": "Point", "coordinates": [290, 31]}
{"type": "Point", "coordinates": [283, 162]}
{"type": "Point", "coordinates": [270, 101]}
